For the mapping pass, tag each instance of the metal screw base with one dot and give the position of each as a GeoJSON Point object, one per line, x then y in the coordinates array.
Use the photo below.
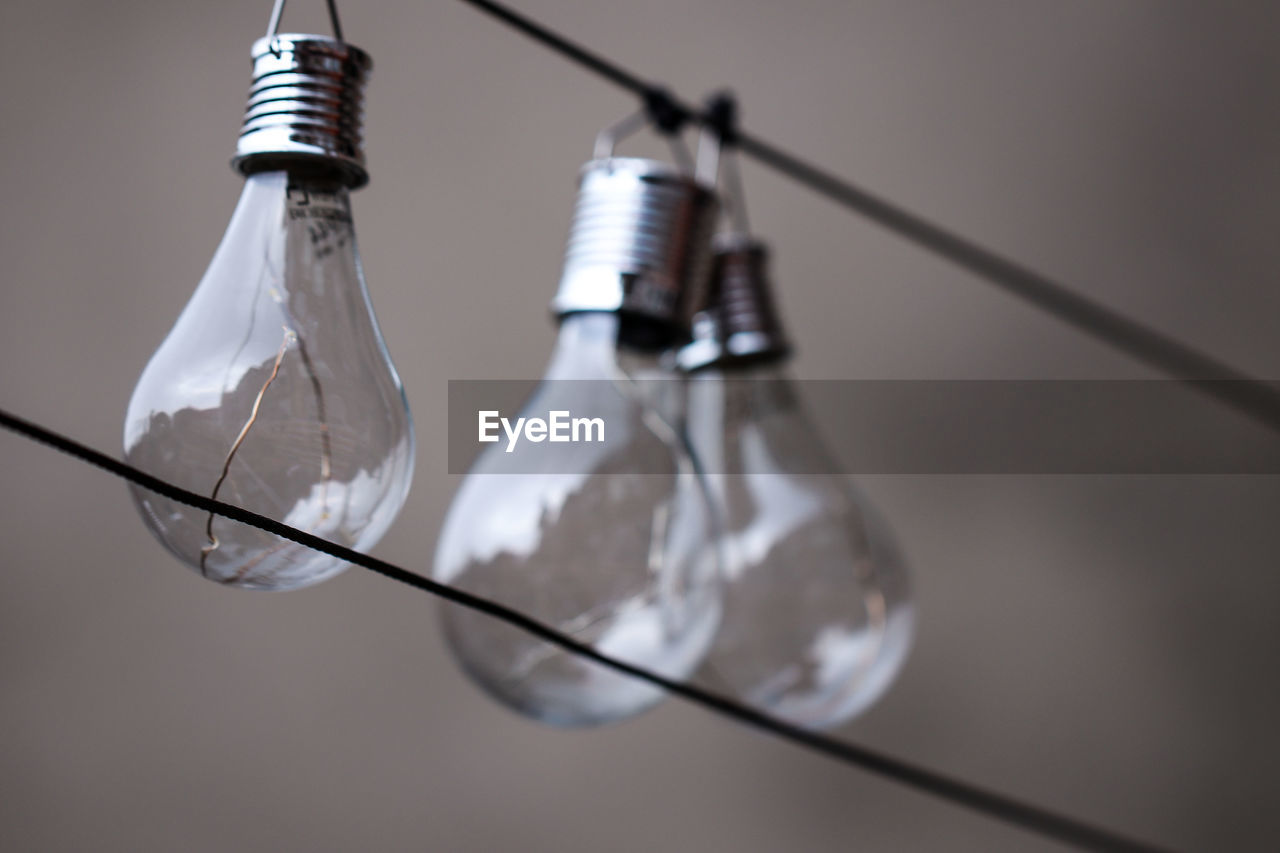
{"type": "Point", "coordinates": [305, 104]}
{"type": "Point", "coordinates": [739, 323]}
{"type": "Point", "coordinates": [640, 241]}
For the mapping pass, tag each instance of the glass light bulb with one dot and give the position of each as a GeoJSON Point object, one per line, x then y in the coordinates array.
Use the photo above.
{"type": "Point", "coordinates": [614, 547]}
{"type": "Point", "coordinates": [274, 392]}
{"type": "Point", "coordinates": [817, 611]}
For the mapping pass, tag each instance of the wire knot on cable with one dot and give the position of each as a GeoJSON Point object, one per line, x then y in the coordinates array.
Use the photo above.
{"type": "Point", "coordinates": [664, 110]}
{"type": "Point", "coordinates": [722, 117]}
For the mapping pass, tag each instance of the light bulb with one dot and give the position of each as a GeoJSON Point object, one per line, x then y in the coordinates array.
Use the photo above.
{"type": "Point", "coordinates": [817, 611]}
{"type": "Point", "coordinates": [611, 543]}
{"type": "Point", "coordinates": [274, 390]}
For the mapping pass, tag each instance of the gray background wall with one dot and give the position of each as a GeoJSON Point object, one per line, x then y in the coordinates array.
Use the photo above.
{"type": "Point", "coordinates": [1102, 645]}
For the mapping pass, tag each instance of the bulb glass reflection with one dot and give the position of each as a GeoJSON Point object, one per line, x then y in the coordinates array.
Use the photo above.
{"type": "Point", "coordinates": [274, 392]}
{"type": "Point", "coordinates": [609, 546]}
{"type": "Point", "coordinates": [817, 612]}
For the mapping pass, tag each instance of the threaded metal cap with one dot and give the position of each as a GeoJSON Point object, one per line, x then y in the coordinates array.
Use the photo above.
{"type": "Point", "coordinates": [739, 321]}
{"type": "Point", "coordinates": [306, 102]}
{"type": "Point", "coordinates": [640, 241]}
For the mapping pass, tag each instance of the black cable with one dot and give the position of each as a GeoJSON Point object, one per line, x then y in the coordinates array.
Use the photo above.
{"type": "Point", "coordinates": [609, 70]}
{"type": "Point", "coordinates": [994, 805]}
{"type": "Point", "coordinates": [1199, 371]}
{"type": "Point", "coordinates": [1204, 373]}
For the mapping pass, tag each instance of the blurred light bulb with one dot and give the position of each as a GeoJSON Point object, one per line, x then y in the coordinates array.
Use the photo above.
{"type": "Point", "coordinates": [274, 390]}
{"type": "Point", "coordinates": [817, 614]}
{"type": "Point", "coordinates": [612, 543]}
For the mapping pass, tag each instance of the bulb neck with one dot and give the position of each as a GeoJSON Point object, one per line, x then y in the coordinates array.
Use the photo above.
{"type": "Point", "coordinates": [750, 388]}
{"type": "Point", "coordinates": [738, 326]}
{"type": "Point", "coordinates": [631, 332]}
{"type": "Point", "coordinates": [616, 338]}
{"type": "Point", "coordinates": [639, 247]}
{"type": "Point", "coordinates": [305, 109]}
{"type": "Point", "coordinates": [302, 230]}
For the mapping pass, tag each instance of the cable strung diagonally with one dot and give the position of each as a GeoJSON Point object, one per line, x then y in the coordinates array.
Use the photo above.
{"type": "Point", "coordinates": [1000, 807]}
{"type": "Point", "coordinates": [1204, 373]}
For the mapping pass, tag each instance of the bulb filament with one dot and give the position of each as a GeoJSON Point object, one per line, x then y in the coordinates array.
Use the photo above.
{"type": "Point", "coordinates": [326, 456]}
{"type": "Point", "coordinates": [235, 446]}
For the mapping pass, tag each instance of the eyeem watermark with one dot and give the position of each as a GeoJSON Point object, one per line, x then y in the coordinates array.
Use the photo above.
{"type": "Point", "coordinates": [893, 427]}
{"type": "Point", "coordinates": [559, 426]}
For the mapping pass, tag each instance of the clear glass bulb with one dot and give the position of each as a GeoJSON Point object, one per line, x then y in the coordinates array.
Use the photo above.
{"type": "Point", "coordinates": [274, 392]}
{"type": "Point", "coordinates": [817, 611]}
{"type": "Point", "coordinates": [616, 548]}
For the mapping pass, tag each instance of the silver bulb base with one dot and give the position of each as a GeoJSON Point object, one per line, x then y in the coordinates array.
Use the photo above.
{"type": "Point", "coordinates": [640, 242]}
{"type": "Point", "coordinates": [306, 105]}
{"type": "Point", "coordinates": [739, 322]}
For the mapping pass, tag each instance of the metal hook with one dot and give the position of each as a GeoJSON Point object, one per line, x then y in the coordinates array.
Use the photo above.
{"type": "Point", "coordinates": [278, 10]}
{"type": "Point", "coordinates": [735, 202]}
{"type": "Point", "coordinates": [607, 140]}
{"type": "Point", "coordinates": [719, 165]}
{"type": "Point", "coordinates": [680, 153]}
{"type": "Point", "coordinates": [708, 167]}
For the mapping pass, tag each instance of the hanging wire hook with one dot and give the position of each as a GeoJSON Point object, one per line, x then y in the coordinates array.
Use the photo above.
{"type": "Point", "coordinates": [333, 19]}
{"type": "Point", "coordinates": [722, 121]}
{"type": "Point", "coordinates": [277, 11]}
{"type": "Point", "coordinates": [680, 153]}
{"type": "Point", "coordinates": [735, 202]}
{"type": "Point", "coordinates": [714, 137]}
{"type": "Point", "coordinates": [274, 24]}
{"type": "Point", "coordinates": [607, 140]}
